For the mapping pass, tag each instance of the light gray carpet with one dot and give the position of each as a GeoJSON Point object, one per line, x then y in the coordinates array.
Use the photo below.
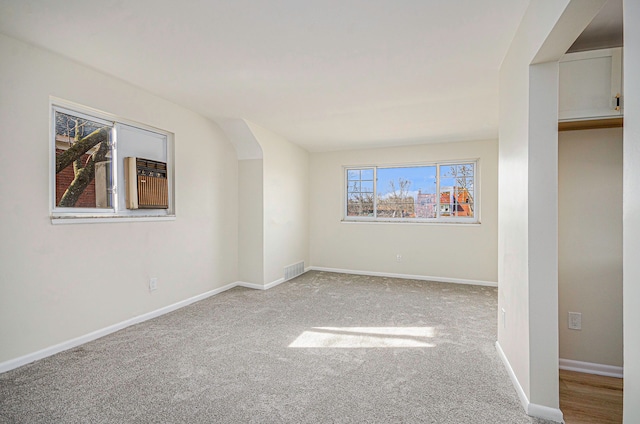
{"type": "Point", "coordinates": [425, 354]}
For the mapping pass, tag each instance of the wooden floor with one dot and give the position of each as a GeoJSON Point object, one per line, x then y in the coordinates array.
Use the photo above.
{"type": "Point", "coordinates": [590, 399]}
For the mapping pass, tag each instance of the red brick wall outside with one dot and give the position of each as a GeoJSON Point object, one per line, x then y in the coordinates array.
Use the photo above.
{"type": "Point", "coordinates": [63, 180]}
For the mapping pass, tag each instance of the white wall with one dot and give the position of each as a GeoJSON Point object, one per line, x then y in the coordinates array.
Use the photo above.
{"type": "Point", "coordinates": [250, 217]}
{"type": "Point", "coordinates": [543, 234]}
{"type": "Point", "coordinates": [64, 281]}
{"type": "Point", "coordinates": [631, 212]}
{"type": "Point", "coordinates": [453, 251]}
{"type": "Point", "coordinates": [590, 244]}
{"type": "Point", "coordinates": [285, 169]}
{"type": "Point", "coordinates": [513, 263]}
{"type": "Point", "coordinates": [527, 246]}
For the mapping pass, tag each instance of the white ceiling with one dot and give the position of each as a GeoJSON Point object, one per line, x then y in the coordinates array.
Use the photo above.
{"type": "Point", "coordinates": [605, 30]}
{"type": "Point", "coordinates": [327, 75]}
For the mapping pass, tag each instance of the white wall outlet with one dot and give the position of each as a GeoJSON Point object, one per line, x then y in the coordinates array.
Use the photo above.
{"type": "Point", "coordinates": [398, 257]}
{"type": "Point", "coordinates": [575, 321]}
{"type": "Point", "coordinates": [504, 318]}
{"type": "Point", "coordinates": [153, 283]}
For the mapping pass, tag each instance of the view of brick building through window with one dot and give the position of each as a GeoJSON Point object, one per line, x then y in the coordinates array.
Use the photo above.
{"type": "Point", "coordinates": [64, 179]}
{"type": "Point", "coordinates": [83, 162]}
{"type": "Point", "coordinates": [425, 205]}
{"type": "Point", "coordinates": [412, 192]}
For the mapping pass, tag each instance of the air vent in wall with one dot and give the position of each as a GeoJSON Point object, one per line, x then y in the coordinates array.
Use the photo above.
{"type": "Point", "coordinates": [293, 271]}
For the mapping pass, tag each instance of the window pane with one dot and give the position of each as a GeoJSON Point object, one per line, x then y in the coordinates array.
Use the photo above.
{"type": "Point", "coordinates": [406, 192]}
{"type": "Point", "coordinates": [468, 184]}
{"type": "Point", "coordinates": [447, 171]}
{"type": "Point", "coordinates": [360, 192]}
{"type": "Point", "coordinates": [464, 170]}
{"type": "Point", "coordinates": [83, 162]}
{"type": "Point", "coordinates": [360, 204]}
{"type": "Point", "coordinates": [456, 190]}
{"type": "Point", "coordinates": [447, 184]}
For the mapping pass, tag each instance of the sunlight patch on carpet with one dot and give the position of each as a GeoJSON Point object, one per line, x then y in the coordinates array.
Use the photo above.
{"type": "Point", "coordinates": [365, 337]}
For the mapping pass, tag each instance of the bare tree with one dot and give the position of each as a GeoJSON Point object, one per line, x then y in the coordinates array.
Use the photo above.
{"type": "Point", "coordinates": [398, 204]}
{"type": "Point", "coordinates": [83, 136]}
{"type": "Point", "coordinates": [463, 175]}
{"type": "Point", "coordinates": [360, 203]}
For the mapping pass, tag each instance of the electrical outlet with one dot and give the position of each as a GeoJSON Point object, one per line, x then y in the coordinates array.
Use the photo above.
{"type": "Point", "coordinates": [504, 318]}
{"type": "Point", "coordinates": [153, 283]}
{"type": "Point", "coordinates": [575, 321]}
{"type": "Point", "coordinates": [398, 257]}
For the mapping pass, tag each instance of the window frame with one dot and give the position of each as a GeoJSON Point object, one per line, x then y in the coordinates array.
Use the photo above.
{"type": "Point", "coordinates": [438, 219]}
{"type": "Point", "coordinates": [117, 212]}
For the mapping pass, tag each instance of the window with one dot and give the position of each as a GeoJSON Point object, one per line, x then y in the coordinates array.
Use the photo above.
{"type": "Point", "coordinates": [84, 153]}
{"type": "Point", "coordinates": [440, 192]}
{"type": "Point", "coordinates": [89, 152]}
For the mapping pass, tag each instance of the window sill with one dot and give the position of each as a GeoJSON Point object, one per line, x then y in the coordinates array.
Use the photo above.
{"type": "Point", "coordinates": [62, 220]}
{"type": "Point", "coordinates": [378, 222]}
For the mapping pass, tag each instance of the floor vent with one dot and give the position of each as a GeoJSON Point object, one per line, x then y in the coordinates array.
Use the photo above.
{"type": "Point", "coordinates": [293, 271]}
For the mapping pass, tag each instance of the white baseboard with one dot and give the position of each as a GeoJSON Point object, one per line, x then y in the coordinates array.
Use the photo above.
{"type": "Point", "coordinates": [406, 276]}
{"type": "Point", "coordinates": [516, 384]}
{"type": "Point", "coordinates": [250, 285]}
{"type": "Point", "coordinates": [532, 409]}
{"type": "Point", "coordinates": [591, 368]}
{"type": "Point", "coordinates": [273, 283]}
{"type": "Point", "coordinates": [546, 413]}
{"type": "Point", "coordinates": [261, 286]}
{"type": "Point", "coordinates": [69, 344]}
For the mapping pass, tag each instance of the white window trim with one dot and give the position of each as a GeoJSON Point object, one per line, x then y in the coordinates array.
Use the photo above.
{"type": "Point", "coordinates": [475, 220]}
{"type": "Point", "coordinates": [113, 214]}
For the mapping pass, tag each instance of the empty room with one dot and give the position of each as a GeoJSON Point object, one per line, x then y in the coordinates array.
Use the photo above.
{"type": "Point", "coordinates": [332, 212]}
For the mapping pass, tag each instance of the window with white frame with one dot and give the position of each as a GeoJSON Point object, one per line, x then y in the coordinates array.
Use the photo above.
{"type": "Point", "coordinates": [90, 156]}
{"type": "Point", "coordinates": [438, 192]}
